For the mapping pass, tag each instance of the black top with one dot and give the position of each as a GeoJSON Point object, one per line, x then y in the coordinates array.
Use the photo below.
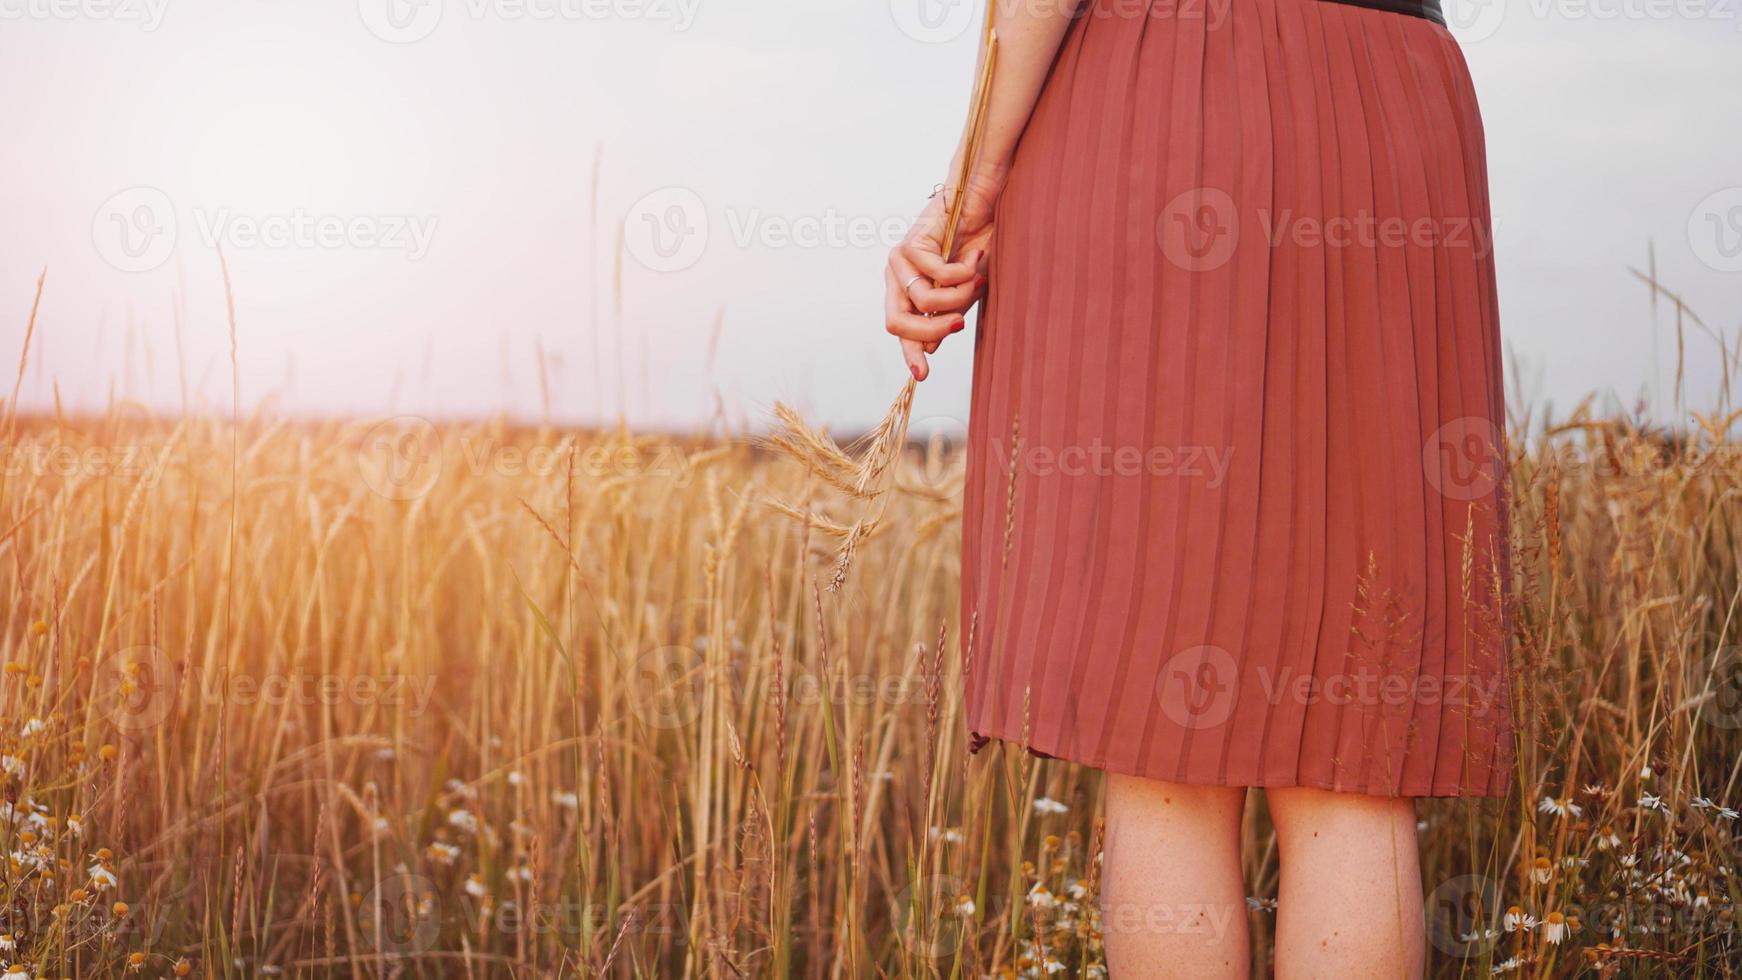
{"type": "Point", "coordinates": [1415, 8]}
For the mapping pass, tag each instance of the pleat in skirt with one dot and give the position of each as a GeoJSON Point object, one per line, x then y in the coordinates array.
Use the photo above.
{"type": "Point", "coordinates": [1236, 499]}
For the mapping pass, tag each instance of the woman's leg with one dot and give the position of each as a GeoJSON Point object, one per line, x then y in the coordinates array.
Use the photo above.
{"type": "Point", "coordinates": [1349, 905]}
{"type": "Point", "coordinates": [1173, 903]}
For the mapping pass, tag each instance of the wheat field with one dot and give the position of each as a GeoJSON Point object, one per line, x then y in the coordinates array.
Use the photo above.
{"type": "Point", "coordinates": [404, 698]}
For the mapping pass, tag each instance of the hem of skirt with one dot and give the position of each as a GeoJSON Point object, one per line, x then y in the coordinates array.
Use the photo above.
{"type": "Point", "coordinates": [978, 741]}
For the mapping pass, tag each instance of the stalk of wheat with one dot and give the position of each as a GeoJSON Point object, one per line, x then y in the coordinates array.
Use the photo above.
{"type": "Point", "coordinates": [865, 470]}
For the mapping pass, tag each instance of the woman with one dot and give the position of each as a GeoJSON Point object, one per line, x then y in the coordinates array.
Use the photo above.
{"type": "Point", "coordinates": [1234, 515]}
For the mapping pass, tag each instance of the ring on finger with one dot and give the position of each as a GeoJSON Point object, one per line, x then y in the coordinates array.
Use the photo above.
{"type": "Point", "coordinates": [909, 284]}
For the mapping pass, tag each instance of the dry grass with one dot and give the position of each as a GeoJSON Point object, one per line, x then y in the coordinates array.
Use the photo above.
{"type": "Point", "coordinates": [485, 701]}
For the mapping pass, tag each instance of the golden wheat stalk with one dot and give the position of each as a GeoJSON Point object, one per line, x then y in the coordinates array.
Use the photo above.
{"type": "Point", "coordinates": [871, 475]}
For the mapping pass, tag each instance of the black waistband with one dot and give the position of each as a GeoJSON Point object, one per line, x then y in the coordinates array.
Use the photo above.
{"type": "Point", "coordinates": [1415, 8]}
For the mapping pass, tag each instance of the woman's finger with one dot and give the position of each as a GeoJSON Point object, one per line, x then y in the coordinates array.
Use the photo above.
{"type": "Point", "coordinates": [953, 299]}
{"type": "Point", "coordinates": [924, 259]}
{"type": "Point", "coordinates": [901, 320]}
{"type": "Point", "coordinates": [914, 354]}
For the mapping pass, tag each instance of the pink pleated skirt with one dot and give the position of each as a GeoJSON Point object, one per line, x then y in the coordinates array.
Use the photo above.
{"type": "Point", "coordinates": [1236, 508]}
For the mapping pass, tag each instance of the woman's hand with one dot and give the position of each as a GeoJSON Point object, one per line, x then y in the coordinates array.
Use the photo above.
{"type": "Point", "coordinates": [927, 296]}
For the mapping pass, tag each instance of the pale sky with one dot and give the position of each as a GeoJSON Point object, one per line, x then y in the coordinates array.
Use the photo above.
{"type": "Point", "coordinates": [402, 190]}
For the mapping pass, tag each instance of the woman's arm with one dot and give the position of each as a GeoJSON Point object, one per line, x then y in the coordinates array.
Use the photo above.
{"type": "Point", "coordinates": [926, 295]}
{"type": "Point", "coordinates": [1029, 34]}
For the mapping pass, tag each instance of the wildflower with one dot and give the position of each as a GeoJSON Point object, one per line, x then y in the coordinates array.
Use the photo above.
{"type": "Point", "coordinates": [271, 970]}
{"type": "Point", "coordinates": [516, 778]}
{"type": "Point", "coordinates": [1554, 928]}
{"type": "Point", "coordinates": [1559, 807]}
{"type": "Point", "coordinates": [568, 801]}
{"type": "Point", "coordinates": [1040, 898]}
{"type": "Point", "coordinates": [443, 853]}
{"type": "Point", "coordinates": [965, 907]}
{"type": "Point", "coordinates": [32, 727]}
{"type": "Point", "coordinates": [522, 873]}
{"type": "Point", "coordinates": [1047, 805]}
{"type": "Point", "coordinates": [464, 820]}
{"type": "Point", "coordinates": [1629, 860]}
{"type": "Point", "coordinates": [385, 755]}
{"type": "Point", "coordinates": [1506, 966]}
{"type": "Point", "coordinates": [1515, 920]}
{"type": "Point", "coordinates": [13, 765]}
{"type": "Point", "coordinates": [951, 835]}
{"type": "Point", "coordinates": [1053, 965]}
{"type": "Point", "coordinates": [1701, 803]}
{"type": "Point", "coordinates": [475, 886]}
{"type": "Point", "coordinates": [108, 752]}
{"type": "Point", "coordinates": [76, 825]}
{"type": "Point", "coordinates": [1541, 871]}
{"type": "Point", "coordinates": [183, 967]}
{"type": "Point", "coordinates": [17, 971]}
{"type": "Point", "coordinates": [135, 962]}
{"type": "Point", "coordinates": [380, 826]}
{"type": "Point", "coordinates": [7, 943]}
{"type": "Point", "coordinates": [38, 628]}
{"type": "Point", "coordinates": [1649, 802]}
{"type": "Point", "coordinates": [1608, 839]}
{"type": "Point", "coordinates": [461, 789]}
{"type": "Point", "coordinates": [101, 877]}
{"type": "Point", "coordinates": [1725, 813]}
{"type": "Point", "coordinates": [120, 910]}
{"type": "Point", "coordinates": [1645, 771]}
{"type": "Point", "coordinates": [1079, 889]}
{"type": "Point", "coordinates": [1256, 904]}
